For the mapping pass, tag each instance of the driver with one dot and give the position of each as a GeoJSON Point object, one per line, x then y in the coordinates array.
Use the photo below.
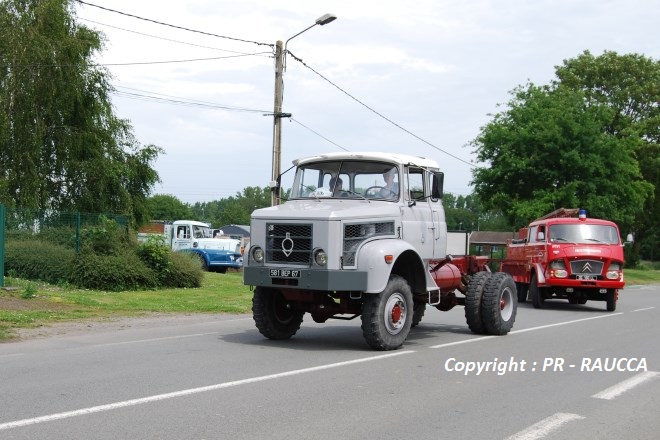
{"type": "Point", "coordinates": [391, 189]}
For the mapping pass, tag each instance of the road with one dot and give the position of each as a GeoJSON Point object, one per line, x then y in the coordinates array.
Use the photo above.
{"type": "Point", "coordinates": [215, 377]}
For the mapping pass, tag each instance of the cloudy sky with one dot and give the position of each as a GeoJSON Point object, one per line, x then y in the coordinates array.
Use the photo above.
{"type": "Point", "coordinates": [385, 76]}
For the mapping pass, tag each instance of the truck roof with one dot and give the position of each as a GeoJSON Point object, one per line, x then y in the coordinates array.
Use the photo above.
{"type": "Point", "coordinates": [572, 220]}
{"type": "Point", "coordinates": [399, 159]}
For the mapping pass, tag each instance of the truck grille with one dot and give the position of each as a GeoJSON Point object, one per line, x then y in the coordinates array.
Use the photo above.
{"type": "Point", "coordinates": [354, 234]}
{"type": "Point", "coordinates": [586, 267]}
{"type": "Point", "coordinates": [289, 243]}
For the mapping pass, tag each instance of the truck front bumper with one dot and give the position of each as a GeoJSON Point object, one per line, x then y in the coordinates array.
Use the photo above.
{"type": "Point", "coordinates": [583, 284]}
{"type": "Point", "coordinates": [307, 279]}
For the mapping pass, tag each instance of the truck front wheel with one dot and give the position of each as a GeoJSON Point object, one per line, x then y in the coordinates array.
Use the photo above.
{"type": "Point", "coordinates": [611, 297]}
{"type": "Point", "coordinates": [387, 316]}
{"type": "Point", "coordinates": [273, 315]}
{"type": "Point", "coordinates": [499, 304]}
{"type": "Point", "coordinates": [535, 293]}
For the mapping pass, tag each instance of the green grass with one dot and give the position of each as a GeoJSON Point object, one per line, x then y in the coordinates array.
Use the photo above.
{"type": "Point", "coordinates": [31, 304]}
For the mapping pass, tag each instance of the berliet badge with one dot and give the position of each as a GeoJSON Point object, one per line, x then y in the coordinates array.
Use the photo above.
{"type": "Point", "coordinates": [287, 245]}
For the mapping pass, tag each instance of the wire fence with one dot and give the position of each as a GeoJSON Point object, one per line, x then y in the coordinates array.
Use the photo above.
{"type": "Point", "coordinates": [59, 226]}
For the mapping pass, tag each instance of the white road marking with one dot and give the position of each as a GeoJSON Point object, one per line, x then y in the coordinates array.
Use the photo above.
{"type": "Point", "coordinates": [643, 310]}
{"type": "Point", "coordinates": [531, 329]}
{"type": "Point", "coordinates": [620, 388]}
{"type": "Point", "coordinates": [164, 338]}
{"type": "Point", "coordinates": [188, 392]}
{"type": "Point", "coordinates": [465, 341]}
{"type": "Point", "coordinates": [545, 426]}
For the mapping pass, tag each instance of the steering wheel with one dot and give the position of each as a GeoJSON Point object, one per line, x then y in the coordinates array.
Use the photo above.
{"type": "Point", "coordinates": [378, 193]}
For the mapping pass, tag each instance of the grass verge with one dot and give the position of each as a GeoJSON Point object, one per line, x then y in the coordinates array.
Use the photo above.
{"type": "Point", "coordinates": [28, 304]}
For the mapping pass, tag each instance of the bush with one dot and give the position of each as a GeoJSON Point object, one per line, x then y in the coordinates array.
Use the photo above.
{"type": "Point", "coordinates": [38, 260]}
{"type": "Point", "coordinates": [184, 271]}
{"type": "Point", "coordinates": [124, 271]}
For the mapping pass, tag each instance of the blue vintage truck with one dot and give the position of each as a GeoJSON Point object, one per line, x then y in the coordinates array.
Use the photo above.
{"type": "Point", "coordinates": [214, 254]}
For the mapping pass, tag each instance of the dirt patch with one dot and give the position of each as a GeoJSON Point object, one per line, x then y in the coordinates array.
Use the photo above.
{"type": "Point", "coordinates": [13, 303]}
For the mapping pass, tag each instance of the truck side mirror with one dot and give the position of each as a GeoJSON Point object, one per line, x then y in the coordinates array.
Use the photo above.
{"type": "Point", "coordinates": [630, 238]}
{"type": "Point", "coordinates": [437, 185]}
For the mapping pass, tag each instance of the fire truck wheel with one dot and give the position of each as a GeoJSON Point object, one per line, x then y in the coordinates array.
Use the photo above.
{"type": "Point", "coordinates": [273, 315]}
{"type": "Point", "coordinates": [611, 300]}
{"type": "Point", "coordinates": [473, 301]}
{"type": "Point", "coordinates": [499, 304]}
{"type": "Point", "coordinates": [418, 313]}
{"type": "Point", "coordinates": [535, 293]}
{"type": "Point", "coordinates": [387, 316]}
{"type": "Point", "coordinates": [521, 290]}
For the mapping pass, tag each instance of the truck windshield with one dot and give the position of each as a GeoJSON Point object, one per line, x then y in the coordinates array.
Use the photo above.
{"type": "Point", "coordinates": [347, 179]}
{"type": "Point", "coordinates": [201, 231]}
{"type": "Point", "coordinates": [584, 234]}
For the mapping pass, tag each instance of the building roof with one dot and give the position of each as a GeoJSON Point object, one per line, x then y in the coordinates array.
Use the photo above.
{"type": "Point", "coordinates": [490, 237]}
{"type": "Point", "coordinates": [241, 230]}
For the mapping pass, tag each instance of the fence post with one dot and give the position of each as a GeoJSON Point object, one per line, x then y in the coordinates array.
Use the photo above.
{"type": "Point", "coordinates": [78, 232]}
{"type": "Point", "coordinates": [2, 245]}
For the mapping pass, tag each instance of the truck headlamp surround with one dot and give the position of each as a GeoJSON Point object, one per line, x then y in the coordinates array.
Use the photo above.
{"type": "Point", "coordinates": [558, 269]}
{"type": "Point", "coordinates": [257, 254]}
{"type": "Point", "coordinates": [320, 257]}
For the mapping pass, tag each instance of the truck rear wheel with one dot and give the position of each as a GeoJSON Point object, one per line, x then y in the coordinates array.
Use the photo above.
{"type": "Point", "coordinates": [611, 300]}
{"type": "Point", "coordinates": [473, 301]}
{"type": "Point", "coordinates": [418, 313]}
{"type": "Point", "coordinates": [273, 315]}
{"type": "Point", "coordinates": [387, 316]}
{"type": "Point", "coordinates": [535, 293]}
{"type": "Point", "coordinates": [499, 304]}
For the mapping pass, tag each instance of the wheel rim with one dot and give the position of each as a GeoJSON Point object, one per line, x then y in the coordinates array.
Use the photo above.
{"type": "Point", "coordinates": [395, 314]}
{"type": "Point", "coordinates": [506, 304]}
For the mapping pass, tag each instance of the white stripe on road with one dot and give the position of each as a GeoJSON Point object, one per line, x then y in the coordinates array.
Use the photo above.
{"type": "Point", "coordinates": [626, 385]}
{"type": "Point", "coordinates": [133, 402]}
{"type": "Point", "coordinates": [643, 310]}
{"type": "Point", "coordinates": [545, 426]}
{"type": "Point", "coordinates": [483, 338]}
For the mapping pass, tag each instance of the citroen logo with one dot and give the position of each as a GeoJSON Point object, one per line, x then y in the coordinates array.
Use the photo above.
{"type": "Point", "coordinates": [287, 245]}
{"type": "Point", "coordinates": [586, 268]}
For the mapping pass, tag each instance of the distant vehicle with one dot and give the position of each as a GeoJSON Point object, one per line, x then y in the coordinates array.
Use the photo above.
{"type": "Point", "coordinates": [214, 254]}
{"type": "Point", "coordinates": [561, 256]}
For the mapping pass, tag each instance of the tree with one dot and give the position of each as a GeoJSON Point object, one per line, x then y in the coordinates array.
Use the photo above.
{"type": "Point", "coordinates": [234, 209]}
{"type": "Point", "coordinates": [553, 147]}
{"type": "Point", "coordinates": [630, 85]}
{"type": "Point", "coordinates": [168, 207]}
{"type": "Point", "coordinates": [61, 146]}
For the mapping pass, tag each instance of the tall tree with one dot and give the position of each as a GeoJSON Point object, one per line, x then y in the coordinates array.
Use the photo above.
{"type": "Point", "coordinates": [554, 147]}
{"type": "Point", "coordinates": [168, 207]}
{"type": "Point", "coordinates": [61, 146]}
{"type": "Point", "coordinates": [630, 85]}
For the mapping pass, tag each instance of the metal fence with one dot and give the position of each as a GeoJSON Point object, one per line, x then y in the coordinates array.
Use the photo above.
{"type": "Point", "coordinates": [33, 222]}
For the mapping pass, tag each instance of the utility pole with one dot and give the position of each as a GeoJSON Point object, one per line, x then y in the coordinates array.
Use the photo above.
{"type": "Point", "coordinates": [277, 123]}
{"type": "Point", "coordinates": [280, 55]}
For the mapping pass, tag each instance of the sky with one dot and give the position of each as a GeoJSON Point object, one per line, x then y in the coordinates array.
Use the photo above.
{"type": "Point", "coordinates": [384, 76]}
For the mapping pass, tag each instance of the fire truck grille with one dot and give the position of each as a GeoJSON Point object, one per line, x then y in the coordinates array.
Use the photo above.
{"type": "Point", "coordinates": [586, 267]}
{"type": "Point", "coordinates": [288, 243]}
{"type": "Point", "coordinates": [354, 234]}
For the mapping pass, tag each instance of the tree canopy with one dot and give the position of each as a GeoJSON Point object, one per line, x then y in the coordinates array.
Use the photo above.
{"type": "Point", "coordinates": [584, 140]}
{"type": "Point", "coordinates": [61, 146]}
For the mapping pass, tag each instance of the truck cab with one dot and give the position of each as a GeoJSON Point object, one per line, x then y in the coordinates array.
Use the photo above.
{"type": "Point", "coordinates": [214, 254]}
{"type": "Point", "coordinates": [561, 256]}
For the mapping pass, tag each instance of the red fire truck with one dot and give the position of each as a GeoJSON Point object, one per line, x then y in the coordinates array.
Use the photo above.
{"type": "Point", "coordinates": [564, 256]}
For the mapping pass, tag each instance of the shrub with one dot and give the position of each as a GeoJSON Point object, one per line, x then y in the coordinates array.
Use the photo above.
{"type": "Point", "coordinates": [124, 271]}
{"type": "Point", "coordinates": [38, 260]}
{"type": "Point", "coordinates": [184, 271]}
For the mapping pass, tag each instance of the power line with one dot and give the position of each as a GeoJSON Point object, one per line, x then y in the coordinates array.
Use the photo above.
{"type": "Point", "coordinates": [169, 39]}
{"type": "Point", "coordinates": [378, 113]}
{"type": "Point", "coordinates": [175, 26]}
{"type": "Point", "coordinates": [175, 100]}
{"type": "Point", "coordinates": [181, 61]}
{"type": "Point", "coordinates": [318, 134]}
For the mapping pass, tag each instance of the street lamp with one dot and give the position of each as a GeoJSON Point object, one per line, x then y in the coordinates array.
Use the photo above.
{"type": "Point", "coordinates": [280, 56]}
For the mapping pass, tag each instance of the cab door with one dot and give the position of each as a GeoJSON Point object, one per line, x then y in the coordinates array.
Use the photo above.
{"type": "Point", "coordinates": [420, 221]}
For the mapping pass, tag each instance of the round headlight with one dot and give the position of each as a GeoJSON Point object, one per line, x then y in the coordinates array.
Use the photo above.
{"type": "Point", "coordinates": [320, 257]}
{"type": "Point", "coordinates": [258, 254]}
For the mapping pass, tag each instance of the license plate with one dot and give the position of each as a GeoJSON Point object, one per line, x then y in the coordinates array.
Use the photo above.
{"type": "Point", "coordinates": [284, 273]}
{"type": "Point", "coordinates": [587, 277]}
